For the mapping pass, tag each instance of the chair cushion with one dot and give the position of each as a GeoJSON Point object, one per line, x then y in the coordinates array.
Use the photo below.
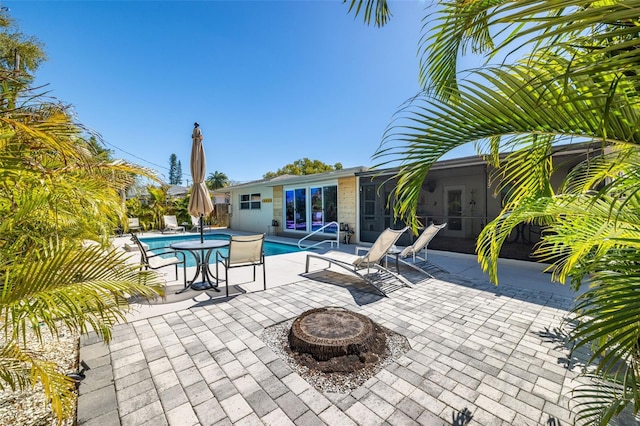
{"type": "Point", "coordinates": [159, 262]}
{"type": "Point", "coordinates": [134, 246]}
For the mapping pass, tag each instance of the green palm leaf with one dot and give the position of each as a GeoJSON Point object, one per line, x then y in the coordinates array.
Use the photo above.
{"type": "Point", "coordinates": [572, 78]}
{"type": "Point", "coordinates": [21, 369]}
{"type": "Point", "coordinates": [79, 286]}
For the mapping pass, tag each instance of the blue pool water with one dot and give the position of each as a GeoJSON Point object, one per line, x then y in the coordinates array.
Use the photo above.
{"type": "Point", "coordinates": [270, 248]}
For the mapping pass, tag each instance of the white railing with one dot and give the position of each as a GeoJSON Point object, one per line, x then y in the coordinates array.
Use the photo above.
{"type": "Point", "coordinates": [337, 239]}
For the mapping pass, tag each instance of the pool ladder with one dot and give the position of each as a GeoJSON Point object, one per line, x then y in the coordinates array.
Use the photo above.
{"type": "Point", "coordinates": [330, 241]}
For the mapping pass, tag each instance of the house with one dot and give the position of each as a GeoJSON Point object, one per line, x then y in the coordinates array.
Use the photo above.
{"type": "Point", "coordinates": [177, 191]}
{"type": "Point", "coordinates": [297, 205]}
{"type": "Point", "coordinates": [460, 192]}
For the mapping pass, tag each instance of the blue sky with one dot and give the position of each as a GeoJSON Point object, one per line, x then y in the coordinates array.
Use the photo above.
{"type": "Point", "coordinates": [270, 82]}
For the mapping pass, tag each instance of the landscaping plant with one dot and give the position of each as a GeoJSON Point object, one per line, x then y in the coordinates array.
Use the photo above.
{"type": "Point", "coordinates": [566, 73]}
{"type": "Point", "coordinates": [57, 189]}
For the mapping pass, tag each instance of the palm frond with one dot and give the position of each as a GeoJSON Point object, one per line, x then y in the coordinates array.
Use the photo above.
{"type": "Point", "coordinates": [20, 369]}
{"type": "Point", "coordinates": [599, 402]}
{"type": "Point", "coordinates": [513, 109]}
{"type": "Point", "coordinates": [372, 10]}
{"type": "Point", "coordinates": [448, 33]}
{"type": "Point", "coordinates": [82, 287]}
{"type": "Point", "coordinates": [599, 37]}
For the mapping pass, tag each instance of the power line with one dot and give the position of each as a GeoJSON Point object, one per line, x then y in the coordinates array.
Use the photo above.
{"type": "Point", "coordinates": [142, 159]}
{"type": "Point", "coordinates": [136, 157]}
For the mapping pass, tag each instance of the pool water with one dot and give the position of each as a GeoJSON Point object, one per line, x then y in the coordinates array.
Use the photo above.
{"type": "Point", "coordinates": [271, 248]}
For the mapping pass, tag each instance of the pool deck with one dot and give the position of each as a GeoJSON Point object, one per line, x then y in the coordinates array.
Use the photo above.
{"type": "Point", "coordinates": [480, 354]}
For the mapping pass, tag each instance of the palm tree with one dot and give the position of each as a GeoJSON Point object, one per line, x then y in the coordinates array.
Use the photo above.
{"type": "Point", "coordinates": [158, 205]}
{"type": "Point", "coordinates": [569, 75]}
{"type": "Point", "coordinates": [217, 180]}
{"type": "Point", "coordinates": [54, 194]}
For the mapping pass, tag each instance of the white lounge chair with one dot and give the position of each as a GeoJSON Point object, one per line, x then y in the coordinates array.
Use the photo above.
{"type": "Point", "coordinates": [171, 224]}
{"type": "Point", "coordinates": [383, 279]}
{"type": "Point", "coordinates": [134, 225]}
{"type": "Point", "coordinates": [195, 223]}
{"type": "Point", "coordinates": [421, 243]}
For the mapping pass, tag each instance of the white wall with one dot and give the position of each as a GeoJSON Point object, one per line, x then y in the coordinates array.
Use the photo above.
{"type": "Point", "coordinates": [252, 220]}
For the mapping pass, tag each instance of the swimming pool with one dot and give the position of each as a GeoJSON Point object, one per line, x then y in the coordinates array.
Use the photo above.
{"type": "Point", "coordinates": [271, 248]}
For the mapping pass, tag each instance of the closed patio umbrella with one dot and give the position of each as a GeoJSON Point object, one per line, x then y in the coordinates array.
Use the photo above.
{"type": "Point", "coordinates": [200, 201]}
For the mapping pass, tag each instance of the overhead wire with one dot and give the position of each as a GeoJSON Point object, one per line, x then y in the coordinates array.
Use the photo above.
{"type": "Point", "coordinates": [135, 156]}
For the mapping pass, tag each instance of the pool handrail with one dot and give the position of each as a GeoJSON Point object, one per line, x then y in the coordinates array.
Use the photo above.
{"type": "Point", "coordinates": [331, 241]}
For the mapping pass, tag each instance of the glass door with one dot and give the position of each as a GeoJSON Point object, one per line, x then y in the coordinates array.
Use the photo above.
{"type": "Point", "coordinates": [309, 209]}
{"type": "Point", "coordinates": [296, 210]}
{"type": "Point", "coordinates": [454, 202]}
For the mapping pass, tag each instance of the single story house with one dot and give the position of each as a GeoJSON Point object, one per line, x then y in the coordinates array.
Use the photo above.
{"type": "Point", "coordinates": [460, 192]}
{"type": "Point", "coordinates": [297, 205]}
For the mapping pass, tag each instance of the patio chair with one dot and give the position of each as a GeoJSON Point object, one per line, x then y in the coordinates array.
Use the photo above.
{"type": "Point", "coordinates": [382, 280]}
{"type": "Point", "coordinates": [159, 259]}
{"type": "Point", "coordinates": [195, 223]}
{"type": "Point", "coordinates": [134, 225]}
{"type": "Point", "coordinates": [421, 243]}
{"type": "Point", "coordinates": [171, 224]}
{"type": "Point", "coordinates": [244, 250]}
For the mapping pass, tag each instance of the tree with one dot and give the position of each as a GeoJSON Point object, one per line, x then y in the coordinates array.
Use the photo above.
{"type": "Point", "coordinates": [217, 180]}
{"type": "Point", "coordinates": [55, 193]}
{"type": "Point", "coordinates": [303, 166]}
{"type": "Point", "coordinates": [18, 52]}
{"type": "Point", "coordinates": [158, 204]}
{"type": "Point", "coordinates": [19, 56]}
{"type": "Point", "coordinates": [175, 170]}
{"type": "Point", "coordinates": [98, 150]}
{"type": "Point", "coordinates": [576, 81]}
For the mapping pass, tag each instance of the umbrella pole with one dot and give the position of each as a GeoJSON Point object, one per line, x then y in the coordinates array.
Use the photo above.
{"type": "Point", "coordinates": [201, 228]}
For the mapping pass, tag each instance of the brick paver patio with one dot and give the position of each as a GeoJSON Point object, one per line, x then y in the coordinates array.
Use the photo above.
{"type": "Point", "coordinates": [479, 355]}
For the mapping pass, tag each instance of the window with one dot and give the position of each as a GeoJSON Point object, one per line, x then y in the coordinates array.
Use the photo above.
{"type": "Point", "coordinates": [330, 208]}
{"type": "Point", "coordinates": [250, 202]}
{"type": "Point", "coordinates": [308, 209]}
{"type": "Point", "coordinates": [369, 202]}
{"type": "Point", "coordinates": [316, 209]}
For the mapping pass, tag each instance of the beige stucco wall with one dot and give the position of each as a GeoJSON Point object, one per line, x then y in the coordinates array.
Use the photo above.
{"type": "Point", "coordinates": [348, 204]}
{"type": "Point", "coordinates": [278, 204]}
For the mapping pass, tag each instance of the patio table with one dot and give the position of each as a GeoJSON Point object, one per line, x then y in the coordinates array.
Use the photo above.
{"type": "Point", "coordinates": [393, 251]}
{"type": "Point", "coordinates": [202, 252]}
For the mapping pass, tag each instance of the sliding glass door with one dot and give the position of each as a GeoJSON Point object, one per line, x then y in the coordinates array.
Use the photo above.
{"type": "Point", "coordinates": [296, 210]}
{"type": "Point", "coordinates": [309, 209]}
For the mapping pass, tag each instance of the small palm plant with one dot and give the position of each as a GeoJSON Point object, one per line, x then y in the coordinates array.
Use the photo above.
{"type": "Point", "coordinates": [55, 193]}
{"type": "Point", "coordinates": [574, 80]}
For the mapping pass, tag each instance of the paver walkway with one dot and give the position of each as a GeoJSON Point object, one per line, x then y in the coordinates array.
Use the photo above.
{"type": "Point", "coordinates": [479, 355]}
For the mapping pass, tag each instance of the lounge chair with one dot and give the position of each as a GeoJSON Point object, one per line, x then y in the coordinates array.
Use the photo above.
{"type": "Point", "coordinates": [159, 259]}
{"type": "Point", "coordinates": [171, 224]}
{"type": "Point", "coordinates": [244, 250]}
{"type": "Point", "coordinates": [195, 223]}
{"type": "Point", "coordinates": [134, 225]}
{"type": "Point", "coordinates": [382, 279]}
{"type": "Point", "coordinates": [421, 243]}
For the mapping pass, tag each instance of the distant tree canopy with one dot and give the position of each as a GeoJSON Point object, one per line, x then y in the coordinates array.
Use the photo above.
{"type": "Point", "coordinates": [303, 166]}
{"type": "Point", "coordinates": [17, 50]}
{"type": "Point", "coordinates": [175, 170]}
{"type": "Point", "coordinates": [98, 149]}
{"type": "Point", "coordinates": [217, 180]}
